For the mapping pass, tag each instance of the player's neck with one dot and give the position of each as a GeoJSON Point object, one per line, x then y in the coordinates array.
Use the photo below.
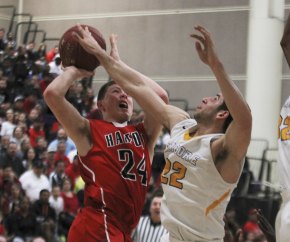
{"type": "Point", "coordinates": [201, 129]}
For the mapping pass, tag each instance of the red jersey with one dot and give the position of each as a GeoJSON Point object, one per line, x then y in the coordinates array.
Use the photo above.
{"type": "Point", "coordinates": [117, 170]}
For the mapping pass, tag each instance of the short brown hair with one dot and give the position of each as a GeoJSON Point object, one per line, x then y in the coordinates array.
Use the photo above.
{"type": "Point", "coordinates": [103, 90]}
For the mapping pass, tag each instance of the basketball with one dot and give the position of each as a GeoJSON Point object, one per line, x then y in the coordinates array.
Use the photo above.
{"type": "Point", "coordinates": [73, 54]}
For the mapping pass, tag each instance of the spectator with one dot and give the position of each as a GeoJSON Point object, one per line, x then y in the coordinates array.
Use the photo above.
{"type": "Point", "coordinates": [45, 215]}
{"type": "Point", "coordinates": [51, 54]}
{"type": "Point", "coordinates": [55, 199]}
{"type": "Point", "coordinates": [22, 223]}
{"type": "Point", "coordinates": [71, 204]}
{"type": "Point", "coordinates": [12, 159]}
{"type": "Point", "coordinates": [251, 227]}
{"type": "Point", "coordinates": [149, 227]}
{"type": "Point", "coordinates": [18, 136]}
{"type": "Point", "coordinates": [72, 170]}
{"type": "Point", "coordinates": [60, 153]}
{"type": "Point", "coordinates": [35, 131]}
{"type": "Point", "coordinates": [58, 176]}
{"type": "Point", "coordinates": [49, 161]}
{"type": "Point", "coordinates": [33, 181]}
{"type": "Point", "coordinates": [62, 135]}
{"type": "Point", "coordinates": [8, 126]}
{"type": "Point", "coordinates": [28, 158]}
{"type": "Point", "coordinates": [4, 94]}
{"type": "Point", "coordinates": [10, 190]}
{"type": "Point", "coordinates": [3, 42]}
{"type": "Point", "coordinates": [18, 103]}
{"type": "Point", "coordinates": [5, 140]}
{"type": "Point", "coordinates": [55, 65]}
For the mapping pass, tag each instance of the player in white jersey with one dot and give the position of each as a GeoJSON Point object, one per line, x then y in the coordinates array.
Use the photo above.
{"type": "Point", "coordinates": [282, 225]}
{"type": "Point", "coordinates": [204, 156]}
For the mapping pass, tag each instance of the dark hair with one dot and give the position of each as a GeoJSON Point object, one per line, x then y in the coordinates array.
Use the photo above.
{"type": "Point", "coordinates": [103, 90]}
{"type": "Point", "coordinates": [229, 119]}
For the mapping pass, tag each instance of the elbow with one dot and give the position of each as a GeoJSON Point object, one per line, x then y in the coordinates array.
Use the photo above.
{"type": "Point", "coordinates": [50, 96]}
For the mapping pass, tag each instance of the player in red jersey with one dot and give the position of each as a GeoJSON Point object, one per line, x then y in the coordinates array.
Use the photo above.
{"type": "Point", "coordinates": [114, 158]}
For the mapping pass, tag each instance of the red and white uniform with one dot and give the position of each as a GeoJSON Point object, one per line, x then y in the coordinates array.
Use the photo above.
{"type": "Point", "coordinates": [116, 171]}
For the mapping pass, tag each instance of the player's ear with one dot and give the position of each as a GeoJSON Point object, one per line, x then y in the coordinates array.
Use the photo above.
{"type": "Point", "coordinates": [222, 114]}
{"type": "Point", "coordinates": [100, 105]}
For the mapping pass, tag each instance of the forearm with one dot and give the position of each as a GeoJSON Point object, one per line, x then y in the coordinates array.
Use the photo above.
{"type": "Point", "coordinates": [128, 78]}
{"type": "Point", "coordinates": [234, 100]}
{"type": "Point", "coordinates": [60, 85]}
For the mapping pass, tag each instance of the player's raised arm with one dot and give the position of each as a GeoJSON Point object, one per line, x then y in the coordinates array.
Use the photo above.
{"type": "Point", "coordinates": [149, 95]}
{"type": "Point", "coordinates": [238, 135]}
{"type": "Point", "coordinates": [74, 124]}
{"type": "Point", "coordinates": [285, 41]}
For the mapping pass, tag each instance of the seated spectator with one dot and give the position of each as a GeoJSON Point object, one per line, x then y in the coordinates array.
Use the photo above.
{"type": "Point", "coordinates": [149, 227]}
{"type": "Point", "coordinates": [4, 94]}
{"type": "Point", "coordinates": [251, 227]}
{"type": "Point", "coordinates": [33, 181]}
{"type": "Point", "coordinates": [40, 148]}
{"type": "Point", "coordinates": [28, 159]}
{"type": "Point", "coordinates": [49, 161]}
{"type": "Point", "coordinates": [32, 115]}
{"type": "Point", "coordinates": [11, 158]}
{"type": "Point", "coordinates": [56, 200]}
{"type": "Point", "coordinates": [35, 131]}
{"type": "Point", "coordinates": [61, 135]}
{"type": "Point", "coordinates": [51, 53]}
{"type": "Point", "coordinates": [71, 203]}
{"type": "Point", "coordinates": [55, 65]}
{"type": "Point", "coordinates": [45, 215]}
{"type": "Point", "coordinates": [5, 140]}
{"type": "Point", "coordinates": [71, 207]}
{"type": "Point", "coordinates": [60, 153]}
{"type": "Point", "coordinates": [18, 103]}
{"type": "Point", "coordinates": [8, 126]}
{"type": "Point", "coordinates": [3, 41]}
{"type": "Point", "coordinates": [10, 189]}
{"type": "Point", "coordinates": [21, 223]}
{"type": "Point", "coordinates": [72, 170]}
{"type": "Point", "coordinates": [57, 177]}
{"type": "Point", "coordinates": [18, 136]}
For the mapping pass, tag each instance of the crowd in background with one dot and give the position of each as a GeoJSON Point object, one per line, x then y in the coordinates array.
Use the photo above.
{"type": "Point", "coordinates": [41, 190]}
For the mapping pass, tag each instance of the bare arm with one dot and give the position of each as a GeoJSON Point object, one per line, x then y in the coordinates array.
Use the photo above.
{"type": "Point", "coordinates": [238, 135]}
{"type": "Point", "coordinates": [74, 124]}
{"type": "Point", "coordinates": [149, 95]}
{"type": "Point", "coordinates": [285, 41]}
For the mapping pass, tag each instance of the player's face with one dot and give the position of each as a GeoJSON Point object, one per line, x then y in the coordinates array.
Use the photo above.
{"type": "Point", "coordinates": [208, 106]}
{"type": "Point", "coordinates": [117, 105]}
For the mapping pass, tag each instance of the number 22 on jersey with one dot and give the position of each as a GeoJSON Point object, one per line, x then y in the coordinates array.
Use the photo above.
{"type": "Point", "coordinates": [284, 133]}
{"type": "Point", "coordinates": [175, 178]}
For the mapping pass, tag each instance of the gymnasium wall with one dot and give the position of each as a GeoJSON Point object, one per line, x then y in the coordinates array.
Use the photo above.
{"type": "Point", "coordinates": [154, 37]}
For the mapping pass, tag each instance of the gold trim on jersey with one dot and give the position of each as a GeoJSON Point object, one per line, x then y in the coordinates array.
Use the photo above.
{"type": "Point", "coordinates": [217, 202]}
{"type": "Point", "coordinates": [187, 136]}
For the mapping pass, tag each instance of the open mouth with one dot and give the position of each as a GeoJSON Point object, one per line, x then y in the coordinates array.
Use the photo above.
{"type": "Point", "coordinates": [123, 105]}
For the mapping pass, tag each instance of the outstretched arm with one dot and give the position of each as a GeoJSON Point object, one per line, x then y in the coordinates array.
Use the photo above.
{"type": "Point", "coordinates": [74, 124]}
{"type": "Point", "coordinates": [149, 95]}
{"type": "Point", "coordinates": [237, 137]}
{"type": "Point", "coordinates": [285, 41]}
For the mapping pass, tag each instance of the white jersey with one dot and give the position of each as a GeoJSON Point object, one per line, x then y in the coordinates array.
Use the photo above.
{"type": "Point", "coordinates": [195, 194]}
{"type": "Point", "coordinates": [284, 146]}
{"type": "Point", "coordinates": [282, 225]}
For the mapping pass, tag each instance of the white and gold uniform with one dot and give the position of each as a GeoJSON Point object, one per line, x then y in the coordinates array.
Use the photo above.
{"type": "Point", "coordinates": [195, 194]}
{"type": "Point", "coordinates": [282, 226]}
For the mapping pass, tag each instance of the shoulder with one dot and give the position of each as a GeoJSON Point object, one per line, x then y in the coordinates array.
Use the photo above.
{"type": "Point", "coordinates": [182, 126]}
